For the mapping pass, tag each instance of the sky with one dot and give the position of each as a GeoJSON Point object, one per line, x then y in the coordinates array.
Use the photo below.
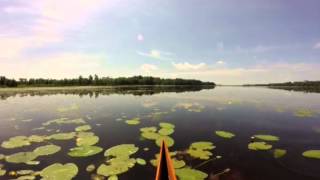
{"type": "Point", "coordinates": [224, 41]}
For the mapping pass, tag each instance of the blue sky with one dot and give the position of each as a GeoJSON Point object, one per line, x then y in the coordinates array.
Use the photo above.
{"type": "Point", "coordinates": [225, 41]}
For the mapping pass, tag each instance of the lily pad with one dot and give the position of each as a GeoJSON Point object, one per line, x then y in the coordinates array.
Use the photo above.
{"type": "Point", "coordinates": [47, 150]}
{"type": "Point", "coordinates": [133, 121]}
{"type": "Point", "coordinates": [169, 141]}
{"type": "Point", "coordinates": [278, 153]}
{"type": "Point", "coordinates": [259, 146]}
{"type": "Point", "coordinates": [87, 140]}
{"type": "Point", "coordinates": [304, 113]}
{"type": "Point", "coordinates": [36, 138]}
{"type": "Point", "coordinates": [3, 172]}
{"type": "Point", "coordinates": [21, 157]}
{"type": "Point", "coordinates": [62, 136]}
{"type": "Point", "coordinates": [150, 135]}
{"type": "Point", "coordinates": [165, 131]}
{"type": "Point", "coordinates": [114, 177]}
{"type": "Point", "coordinates": [16, 142]}
{"type": "Point", "coordinates": [178, 163]}
{"type": "Point", "coordinates": [166, 125]}
{"type": "Point", "coordinates": [315, 154]}
{"type": "Point", "coordinates": [225, 134]}
{"type": "Point", "coordinates": [148, 129]}
{"type": "Point", "coordinates": [59, 171]}
{"type": "Point", "coordinates": [83, 128]}
{"type": "Point", "coordinates": [203, 145]}
{"type": "Point", "coordinates": [141, 161]}
{"type": "Point", "coordinates": [121, 150]}
{"type": "Point", "coordinates": [84, 151]}
{"type": "Point", "coordinates": [267, 137]}
{"type": "Point", "coordinates": [190, 174]}
{"type": "Point", "coordinates": [110, 170]}
{"type": "Point", "coordinates": [90, 168]}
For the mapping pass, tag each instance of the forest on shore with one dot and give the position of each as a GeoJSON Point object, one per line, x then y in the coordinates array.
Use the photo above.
{"type": "Point", "coordinates": [99, 81]}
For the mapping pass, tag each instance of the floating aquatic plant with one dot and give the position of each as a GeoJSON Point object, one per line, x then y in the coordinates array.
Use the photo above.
{"type": "Point", "coordinates": [84, 151]}
{"type": "Point", "coordinates": [83, 128]}
{"type": "Point", "coordinates": [201, 150]}
{"type": "Point", "coordinates": [59, 171]}
{"type": "Point", "coordinates": [90, 168]}
{"type": "Point", "coordinates": [169, 141]}
{"type": "Point", "coordinates": [267, 137]}
{"type": "Point", "coordinates": [87, 140]}
{"type": "Point", "coordinates": [21, 157]}
{"type": "Point", "coordinates": [120, 161]}
{"type": "Point", "coordinates": [190, 174]}
{"type": "Point", "coordinates": [148, 129]}
{"type": "Point", "coordinates": [133, 121]}
{"type": "Point", "coordinates": [166, 125]}
{"type": "Point", "coordinates": [304, 113]}
{"type": "Point", "coordinates": [166, 131]}
{"type": "Point", "coordinates": [225, 134]}
{"type": "Point", "coordinates": [62, 136]}
{"type": "Point", "coordinates": [259, 146]}
{"type": "Point", "coordinates": [315, 154]}
{"type": "Point", "coordinates": [141, 161]}
{"type": "Point", "coordinates": [121, 150]}
{"type": "Point", "coordinates": [47, 150]}
{"type": "Point", "coordinates": [278, 153]}
{"type": "Point", "coordinates": [68, 108]}
{"type": "Point", "coordinates": [15, 142]}
{"type": "Point", "coordinates": [64, 121]}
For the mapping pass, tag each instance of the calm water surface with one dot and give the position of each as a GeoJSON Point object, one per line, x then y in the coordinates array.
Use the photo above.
{"type": "Point", "coordinates": [196, 116]}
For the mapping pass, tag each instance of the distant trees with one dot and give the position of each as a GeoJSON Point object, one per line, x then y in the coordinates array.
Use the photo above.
{"type": "Point", "coordinates": [4, 82]}
{"type": "Point", "coordinates": [290, 84]}
{"type": "Point", "coordinates": [103, 81]}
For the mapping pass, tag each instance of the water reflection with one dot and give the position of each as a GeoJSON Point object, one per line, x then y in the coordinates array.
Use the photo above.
{"type": "Point", "coordinates": [95, 92]}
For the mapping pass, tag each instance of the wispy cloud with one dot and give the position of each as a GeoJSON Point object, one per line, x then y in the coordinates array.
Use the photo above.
{"type": "Point", "coordinates": [39, 23]}
{"type": "Point", "coordinates": [148, 68]}
{"type": "Point", "coordinates": [56, 66]}
{"type": "Point", "coordinates": [157, 54]}
{"type": "Point", "coordinates": [188, 66]}
{"type": "Point", "coordinates": [316, 46]}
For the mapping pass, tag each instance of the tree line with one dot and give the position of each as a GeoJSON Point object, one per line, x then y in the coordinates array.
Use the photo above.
{"type": "Point", "coordinates": [290, 84]}
{"type": "Point", "coordinates": [98, 81]}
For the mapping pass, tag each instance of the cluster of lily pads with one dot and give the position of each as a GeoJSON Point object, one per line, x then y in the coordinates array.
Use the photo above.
{"type": "Point", "coordinates": [119, 161]}
{"type": "Point", "coordinates": [191, 107]}
{"type": "Point", "coordinates": [159, 135]}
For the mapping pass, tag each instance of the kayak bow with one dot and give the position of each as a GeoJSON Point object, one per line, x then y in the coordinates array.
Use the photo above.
{"type": "Point", "coordinates": [165, 169]}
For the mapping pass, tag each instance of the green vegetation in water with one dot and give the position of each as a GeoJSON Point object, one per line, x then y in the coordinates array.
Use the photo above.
{"type": "Point", "coordinates": [15, 142]}
{"type": "Point", "coordinates": [47, 150]}
{"type": "Point", "coordinates": [141, 161]}
{"type": "Point", "coordinates": [162, 134]}
{"type": "Point", "coordinates": [21, 157]}
{"type": "Point", "coordinates": [225, 134]}
{"type": "Point", "coordinates": [304, 113]}
{"type": "Point", "coordinates": [84, 151]}
{"type": "Point", "coordinates": [267, 137]}
{"type": "Point", "coordinates": [83, 128]}
{"type": "Point", "coordinates": [201, 150]}
{"type": "Point", "coordinates": [259, 146]}
{"type": "Point", "coordinates": [64, 121]}
{"type": "Point", "coordinates": [190, 174]}
{"type": "Point", "coordinates": [134, 121]}
{"type": "Point", "coordinates": [278, 153]}
{"type": "Point", "coordinates": [191, 107]}
{"type": "Point", "coordinates": [59, 171]}
{"type": "Point", "coordinates": [72, 107]}
{"type": "Point", "coordinates": [87, 140]}
{"type": "Point", "coordinates": [62, 136]}
{"type": "Point", "coordinates": [119, 160]}
{"type": "Point", "coordinates": [176, 163]}
{"type": "Point", "coordinates": [314, 154]}
{"type": "Point", "coordinates": [90, 168]}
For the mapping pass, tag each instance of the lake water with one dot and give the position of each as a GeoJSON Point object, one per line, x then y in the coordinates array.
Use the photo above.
{"type": "Point", "coordinates": [294, 117]}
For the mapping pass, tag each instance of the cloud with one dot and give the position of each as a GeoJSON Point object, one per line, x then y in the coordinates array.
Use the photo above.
{"type": "Point", "coordinates": [140, 37]}
{"type": "Point", "coordinates": [148, 68]}
{"type": "Point", "coordinates": [157, 54]}
{"type": "Point", "coordinates": [189, 67]}
{"type": "Point", "coordinates": [279, 72]}
{"type": "Point", "coordinates": [39, 23]}
{"type": "Point", "coordinates": [62, 65]}
{"type": "Point", "coordinates": [220, 62]}
{"type": "Point", "coordinates": [316, 46]}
